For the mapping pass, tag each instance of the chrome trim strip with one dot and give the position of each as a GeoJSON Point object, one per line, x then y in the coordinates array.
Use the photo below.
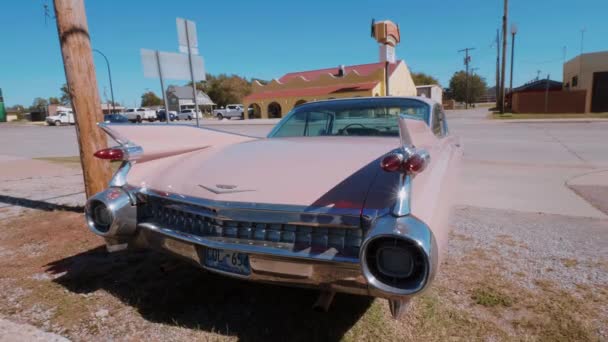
{"type": "Point", "coordinates": [252, 247]}
{"type": "Point", "coordinates": [120, 177]}
{"type": "Point", "coordinates": [402, 205]}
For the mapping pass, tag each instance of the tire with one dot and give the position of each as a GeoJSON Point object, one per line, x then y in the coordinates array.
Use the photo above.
{"type": "Point", "coordinates": [189, 118]}
{"type": "Point", "coordinates": [151, 120]}
{"type": "Point", "coordinates": [138, 119]}
{"type": "Point", "coordinates": [220, 116]}
{"type": "Point", "coordinates": [57, 123]}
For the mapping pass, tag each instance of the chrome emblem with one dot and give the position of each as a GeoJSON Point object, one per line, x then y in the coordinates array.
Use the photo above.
{"type": "Point", "coordinates": [223, 188]}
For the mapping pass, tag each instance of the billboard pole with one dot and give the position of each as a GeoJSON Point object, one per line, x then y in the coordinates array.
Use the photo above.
{"type": "Point", "coordinates": [162, 86]}
{"type": "Point", "coordinates": [191, 72]}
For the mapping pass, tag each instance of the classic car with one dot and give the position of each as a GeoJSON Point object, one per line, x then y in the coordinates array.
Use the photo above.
{"type": "Point", "coordinates": [348, 195]}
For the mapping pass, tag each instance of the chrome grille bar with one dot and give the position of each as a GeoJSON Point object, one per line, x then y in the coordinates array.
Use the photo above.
{"type": "Point", "coordinates": [202, 222]}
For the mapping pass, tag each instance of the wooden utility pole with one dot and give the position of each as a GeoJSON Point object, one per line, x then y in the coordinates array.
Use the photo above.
{"type": "Point", "coordinates": [82, 83]}
{"type": "Point", "coordinates": [467, 60]}
{"type": "Point", "coordinates": [504, 57]}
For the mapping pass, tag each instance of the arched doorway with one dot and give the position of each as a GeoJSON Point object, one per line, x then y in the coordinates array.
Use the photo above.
{"type": "Point", "coordinates": [300, 102]}
{"type": "Point", "coordinates": [254, 111]}
{"type": "Point", "coordinates": [274, 110]}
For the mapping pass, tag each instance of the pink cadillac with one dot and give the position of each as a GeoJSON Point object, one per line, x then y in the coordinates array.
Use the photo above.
{"type": "Point", "coordinates": [347, 195]}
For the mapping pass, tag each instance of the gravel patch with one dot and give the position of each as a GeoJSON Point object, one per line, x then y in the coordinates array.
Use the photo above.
{"type": "Point", "coordinates": [570, 251]}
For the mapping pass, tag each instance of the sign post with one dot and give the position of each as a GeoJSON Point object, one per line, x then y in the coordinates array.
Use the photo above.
{"type": "Point", "coordinates": [187, 65]}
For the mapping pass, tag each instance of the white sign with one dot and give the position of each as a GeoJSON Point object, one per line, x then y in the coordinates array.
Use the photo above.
{"type": "Point", "coordinates": [184, 36]}
{"type": "Point", "coordinates": [174, 66]}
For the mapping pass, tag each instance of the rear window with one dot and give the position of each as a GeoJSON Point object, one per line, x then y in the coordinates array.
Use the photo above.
{"type": "Point", "coordinates": [357, 117]}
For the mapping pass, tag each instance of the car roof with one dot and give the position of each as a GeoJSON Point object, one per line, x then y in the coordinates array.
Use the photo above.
{"type": "Point", "coordinates": [424, 99]}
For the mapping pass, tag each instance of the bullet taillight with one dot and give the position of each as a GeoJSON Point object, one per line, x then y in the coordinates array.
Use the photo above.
{"type": "Point", "coordinates": [413, 163]}
{"type": "Point", "coordinates": [112, 153]}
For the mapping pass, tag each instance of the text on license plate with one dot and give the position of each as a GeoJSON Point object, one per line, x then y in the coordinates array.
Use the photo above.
{"type": "Point", "coordinates": [227, 261]}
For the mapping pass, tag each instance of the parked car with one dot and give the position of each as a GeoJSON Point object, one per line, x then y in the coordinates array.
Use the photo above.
{"type": "Point", "coordinates": [348, 195]}
{"type": "Point", "coordinates": [61, 118]}
{"type": "Point", "coordinates": [231, 111]}
{"type": "Point", "coordinates": [186, 114]}
{"type": "Point", "coordinates": [115, 118]}
{"type": "Point", "coordinates": [140, 114]}
{"type": "Point", "coordinates": [161, 115]}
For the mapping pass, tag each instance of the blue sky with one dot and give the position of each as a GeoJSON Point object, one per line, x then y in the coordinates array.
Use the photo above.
{"type": "Point", "coordinates": [265, 39]}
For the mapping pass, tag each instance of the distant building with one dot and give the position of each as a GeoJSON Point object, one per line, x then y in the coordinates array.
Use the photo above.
{"type": "Point", "coordinates": [431, 91]}
{"type": "Point", "coordinates": [589, 72]}
{"type": "Point", "coordinates": [180, 98]}
{"type": "Point", "coordinates": [389, 76]}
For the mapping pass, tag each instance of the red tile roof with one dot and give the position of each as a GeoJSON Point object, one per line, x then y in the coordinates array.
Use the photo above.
{"type": "Point", "coordinates": [362, 69]}
{"type": "Point", "coordinates": [312, 91]}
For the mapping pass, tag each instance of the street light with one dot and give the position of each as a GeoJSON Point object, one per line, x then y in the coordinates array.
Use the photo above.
{"type": "Point", "coordinates": [110, 77]}
{"type": "Point", "coordinates": [513, 33]}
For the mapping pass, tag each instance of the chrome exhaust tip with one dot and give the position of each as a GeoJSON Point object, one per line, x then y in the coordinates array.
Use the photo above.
{"type": "Point", "coordinates": [399, 256]}
{"type": "Point", "coordinates": [111, 213]}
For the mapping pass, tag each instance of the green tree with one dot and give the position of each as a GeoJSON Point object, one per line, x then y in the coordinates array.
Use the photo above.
{"type": "Point", "coordinates": [65, 98]}
{"type": "Point", "coordinates": [421, 78]}
{"type": "Point", "coordinates": [150, 99]}
{"type": "Point", "coordinates": [477, 86]}
{"type": "Point", "coordinates": [224, 89]}
{"type": "Point", "coordinates": [54, 101]}
{"type": "Point", "coordinates": [39, 104]}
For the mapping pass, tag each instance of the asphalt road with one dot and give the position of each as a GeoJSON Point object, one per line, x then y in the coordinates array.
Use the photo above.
{"type": "Point", "coordinates": [508, 165]}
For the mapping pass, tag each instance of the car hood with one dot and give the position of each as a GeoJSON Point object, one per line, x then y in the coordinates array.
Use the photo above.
{"type": "Point", "coordinates": [304, 171]}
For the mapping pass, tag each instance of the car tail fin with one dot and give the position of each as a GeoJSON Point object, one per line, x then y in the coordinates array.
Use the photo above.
{"type": "Point", "coordinates": [159, 141]}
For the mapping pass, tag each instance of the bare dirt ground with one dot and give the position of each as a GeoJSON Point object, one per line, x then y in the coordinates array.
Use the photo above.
{"type": "Point", "coordinates": [509, 276]}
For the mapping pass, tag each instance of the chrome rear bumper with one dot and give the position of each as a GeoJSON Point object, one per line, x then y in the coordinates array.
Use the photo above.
{"type": "Point", "coordinates": [273, 261]}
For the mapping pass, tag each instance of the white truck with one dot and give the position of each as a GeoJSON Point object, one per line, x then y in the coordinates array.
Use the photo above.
{"type": "Point", "coordinates": [61, 118]}
{"type": "Point", "coordinates": [140, 114]}
{"type": "Point", "coordinates": [231, 111]}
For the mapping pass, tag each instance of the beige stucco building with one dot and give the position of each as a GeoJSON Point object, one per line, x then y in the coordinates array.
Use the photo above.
{"type": "Point", "coordinates": [278, 97]}
{"type": "Point", "coordinates": [388, 76]}
{"type": "Point", "coordinates": [589, 72]}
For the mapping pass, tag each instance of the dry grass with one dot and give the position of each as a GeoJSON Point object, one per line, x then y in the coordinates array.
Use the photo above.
{"type": "Point", "coordinates": [72, 161]}
{"type": "Point", "coordinates": [57, 278]}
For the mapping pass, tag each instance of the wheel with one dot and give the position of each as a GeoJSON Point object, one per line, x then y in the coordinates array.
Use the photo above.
{"type": "Point", "coordinates": [138, 119]}
{"type": "Point", "coordinates": [57, 123]}
{"type": "Point", "coordinates": [189, 118]}
{"type": "Point", "coordinates": [220, 117]}
{"type": "Point", "coordinates": [151, 120]}
{"type": "Point", "coordinates": [242, 116]}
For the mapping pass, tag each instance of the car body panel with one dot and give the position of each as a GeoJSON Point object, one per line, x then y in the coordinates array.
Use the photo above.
{"type": "Point", "coordinates": [321, 185]}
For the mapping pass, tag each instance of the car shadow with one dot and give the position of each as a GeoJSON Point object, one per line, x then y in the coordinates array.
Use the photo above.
{"type": "Point", "coordinates": [39, 204]}
{"type": "Point", "coordinates": [171, 291]}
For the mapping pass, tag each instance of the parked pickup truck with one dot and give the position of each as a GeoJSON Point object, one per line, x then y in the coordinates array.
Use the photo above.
{"type": "Point", "coordinates": [140, 114]}
{"type": "Point", "coordinates": [231, 111]}
{"type": "Point", "coordinates": [61, 118]}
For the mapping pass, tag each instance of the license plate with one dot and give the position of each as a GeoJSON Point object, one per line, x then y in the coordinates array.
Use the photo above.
{"type": "Point", "coordinates": [227, 261]}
